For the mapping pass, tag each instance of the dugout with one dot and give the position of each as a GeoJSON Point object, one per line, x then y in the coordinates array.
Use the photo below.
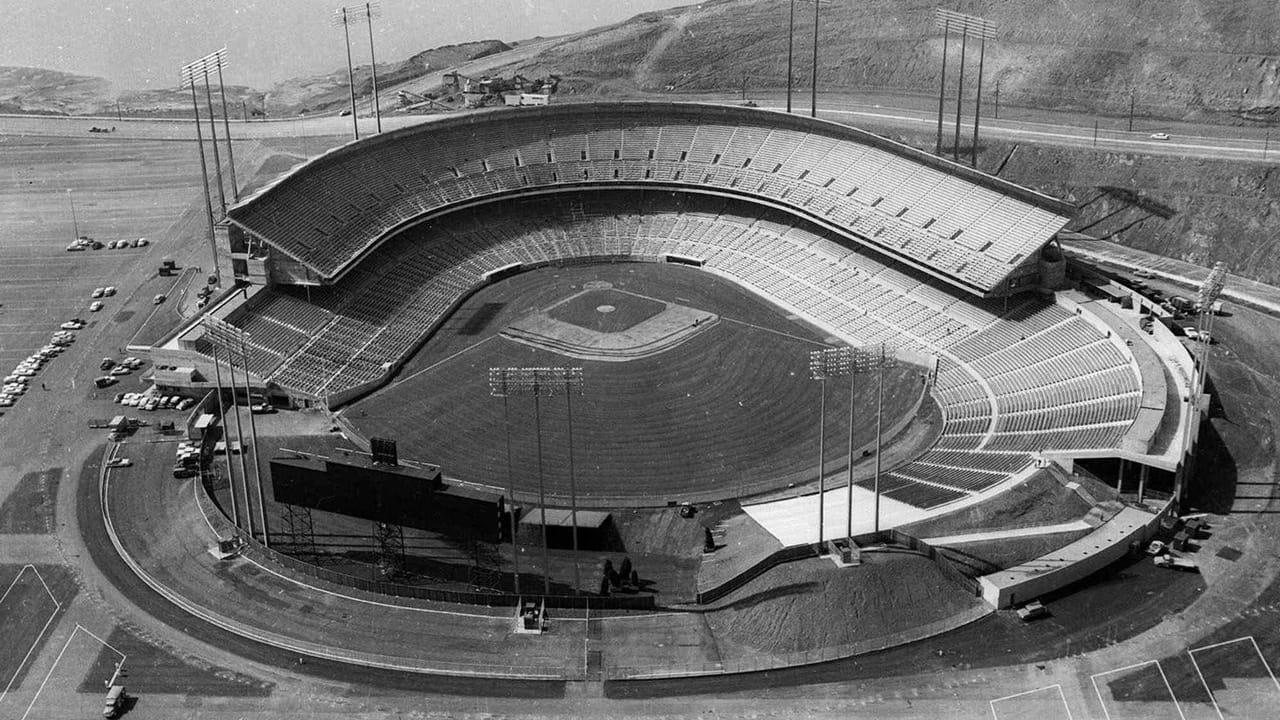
{"type": "Point", "coordinates": [596, 530]}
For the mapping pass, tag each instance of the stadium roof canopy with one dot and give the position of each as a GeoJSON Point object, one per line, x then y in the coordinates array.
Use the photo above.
{"type": "Point", "coordinates": [962, 226]}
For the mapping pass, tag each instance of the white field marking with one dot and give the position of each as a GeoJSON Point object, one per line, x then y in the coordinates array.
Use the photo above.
{"type": "Point", "coordinates": [57, 606]}
{"type": "Point", "coordinates": [1061, 695]}
{"type": "Point", "coordinates": [58, 659]}
{"type": "Point", "coordinates": [1250, 638]}
{"type": "Point", "coordinates": [438, 363]}
{"type": "Point", "coordinates": [1096, 689]}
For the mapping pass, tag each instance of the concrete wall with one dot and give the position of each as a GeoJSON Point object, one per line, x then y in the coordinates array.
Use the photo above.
{"type": "Point", "coordinates": [1105, 545]}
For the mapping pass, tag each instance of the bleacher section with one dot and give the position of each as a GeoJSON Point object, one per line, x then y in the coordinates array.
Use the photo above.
{"type": "Point", "coordinates": [1009, 383]}
{"type": "Point", "coordinates": [946, 220]}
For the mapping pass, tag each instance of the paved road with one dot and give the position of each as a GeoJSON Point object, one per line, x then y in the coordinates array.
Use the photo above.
{"type": "Point", "coordinates": [880, 112]}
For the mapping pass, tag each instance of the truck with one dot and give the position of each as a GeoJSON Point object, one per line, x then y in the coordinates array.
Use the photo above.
{"type": "Point", "coordinates": [1033, 610]}
{"type": "Point", "coordinates": [1173, 562]}
{"type": "Point", "coordinates": [113, 704]}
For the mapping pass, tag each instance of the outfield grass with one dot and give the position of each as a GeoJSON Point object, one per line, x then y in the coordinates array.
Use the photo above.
{"type": "Point", "coordinates": [730, 412]}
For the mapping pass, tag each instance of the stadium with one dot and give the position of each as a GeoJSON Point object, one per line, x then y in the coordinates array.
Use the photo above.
{"type": "Point", "coordinates": [690, 261]}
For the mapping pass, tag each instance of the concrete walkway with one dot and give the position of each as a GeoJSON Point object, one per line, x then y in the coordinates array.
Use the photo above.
{"type": "Point", "coordinates": [1006, 534]}
{"type": "Point", "coordinates": [1252, 293]}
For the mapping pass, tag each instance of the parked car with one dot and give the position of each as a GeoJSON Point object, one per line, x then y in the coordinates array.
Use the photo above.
{"type": "Point", "coordinates": [157, 299]}
{"type": "Point", "coordinates": [104, 381]}
{"type": "Point", "coordinates": [1033, 611]}
{"type": "Point", "coordinates": [1160, 136]}
{"type": "Point", "coordinates": [262, 409]}
{"type": "Point", "coordinates": [119, 463]}
{"type": "Point", "coordinates": [95, 306]}
{"type": "Point", "coordinates": [97, 293]}
{"type": "Point", "coordinates": [120, 370]}
{"type": "Point", "coordinates": [106, 364]}
{"type": "Point", "coordinates": [108, 291]}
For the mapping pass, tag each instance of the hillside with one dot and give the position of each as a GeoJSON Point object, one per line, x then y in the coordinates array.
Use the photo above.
{"type": "Point", "coordinates": [40, 91]}
{"type": "Point", "coordinates": [330, 90]}
{"type": "Point", "coordinates": [1196, 59]}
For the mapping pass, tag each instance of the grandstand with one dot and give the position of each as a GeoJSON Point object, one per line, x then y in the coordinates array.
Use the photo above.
{"type": "Point", "coordinates": [872, 241]}
{"type": "Point", "coordinates": [966, 228]}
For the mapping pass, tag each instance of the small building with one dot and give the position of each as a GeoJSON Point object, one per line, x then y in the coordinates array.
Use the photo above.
{"type": "Point", "coordinates": [596, 530]}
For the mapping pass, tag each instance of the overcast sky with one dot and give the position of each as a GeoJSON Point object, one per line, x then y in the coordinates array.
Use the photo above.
{"type": "Point", "coordinates": [140, 44]}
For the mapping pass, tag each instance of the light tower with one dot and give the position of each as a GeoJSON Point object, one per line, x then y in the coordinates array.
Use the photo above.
{"type": "Point", "coordinates": [539, 382]}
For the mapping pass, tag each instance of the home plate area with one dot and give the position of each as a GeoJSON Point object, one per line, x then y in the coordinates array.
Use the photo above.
{"type": "Point", "coordinates": [601, 322]}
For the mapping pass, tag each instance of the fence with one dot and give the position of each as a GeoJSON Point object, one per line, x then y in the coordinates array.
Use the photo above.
{"type": "Point", "coordinates": [255, 550]}
{"type": "Point", "coordinates": [778, 557]}
{"type": "Point", "coordinates": [756, 663]}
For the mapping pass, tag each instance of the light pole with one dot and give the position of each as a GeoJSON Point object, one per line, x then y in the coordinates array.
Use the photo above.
{"type": "Point", "coordinates": [830, 363]}
{"type": "Point", "coordinates": [340, 16]}
{"type": "Point", "coordinates": [222, 423]}
{"type": "Point", "coordinates": [539, 382]}
{"type": "Point", "coordinates": [233, 339]}
{"type": "Point", "coordinates": [885, 361]}
{"type": "Point", "coordinates": [1205, 298]}
{"type": "Point", "coordinates": [221, 60]}
{"type": "Point", "coordinates": [369, 9]}
{"type": "Point", "coordinates": [189, 77]}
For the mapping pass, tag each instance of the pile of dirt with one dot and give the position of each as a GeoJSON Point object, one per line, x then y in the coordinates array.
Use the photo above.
{"type": "Point", "coordinates": [813, 604]}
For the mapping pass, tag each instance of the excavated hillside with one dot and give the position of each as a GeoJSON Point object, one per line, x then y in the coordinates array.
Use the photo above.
{"type": "Point", "coordinates": [1199, 59]}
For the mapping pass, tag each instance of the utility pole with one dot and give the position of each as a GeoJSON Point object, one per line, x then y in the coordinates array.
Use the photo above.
{"type": "Point", "coordinates": [1095, 132]}
{"type": "Point", "coordinates": [75, 224]}
{"type": "Point", "coordinates": [983, 30]}
{"type": "Point", "coordinates": [942, 87]}
{"type": "Point", "coordinates": [791, 36]}
{"type": "Point", "coordinates": [955, 149]}
{"type": "Point", "coordinates": [1132, 100]}
{"type": "Point", "coordinates": [977, 108]}
{"type": "Point", "coordinates": [373, 65]}
{"type": "Point", "coordinates": [997, 107]}
{"type": "Point", "coordinates": [813, 93]}
{"type": "Point", "coordinates": [119, 117]}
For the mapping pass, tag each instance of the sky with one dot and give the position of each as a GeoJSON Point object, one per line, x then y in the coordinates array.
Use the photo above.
{"type": "Point", "coordinates": [142, 44]}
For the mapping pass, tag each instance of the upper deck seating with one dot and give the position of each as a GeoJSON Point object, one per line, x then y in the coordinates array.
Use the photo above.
{"type": "Point", "coordinates": [969, 228]}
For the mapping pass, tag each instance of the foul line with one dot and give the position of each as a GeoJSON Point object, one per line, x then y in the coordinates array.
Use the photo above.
{"type": "Point", "coordinates": [438, 363]}
{"type": "Point", "coordinates": [810, 341]}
